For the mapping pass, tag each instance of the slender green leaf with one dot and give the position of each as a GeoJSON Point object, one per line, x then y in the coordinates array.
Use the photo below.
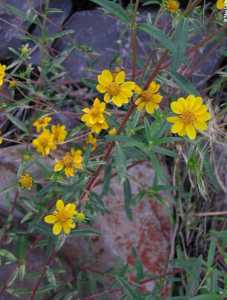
{"type": "Point", "coordinates": [159, 35]}
{"type": "Point", "coordinates": [17, 122]}
{"type": "Point", "coordinates": [114, 9]}
{"type": "Point", "coordinates": [183, 83]}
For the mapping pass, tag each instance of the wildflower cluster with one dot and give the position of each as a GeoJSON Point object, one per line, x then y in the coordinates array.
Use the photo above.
{"type": "Point", "coordinates": [48, 139]}
{"type": "Point", "coordinates": [64, 218]}
{"type": "Point", "coordinates": [192, 114]}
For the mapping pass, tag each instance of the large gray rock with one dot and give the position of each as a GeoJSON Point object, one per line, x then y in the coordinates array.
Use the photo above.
{"type": "Point", "coordinates": [100, 41]}
{"type": "Point", "coordinates": [13, 28]}
{"type": "Point", "coordinates": [149, 232]}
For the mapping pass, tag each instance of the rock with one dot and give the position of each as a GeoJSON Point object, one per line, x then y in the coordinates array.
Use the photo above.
{"type": "Point", "coordinates": [13, 32]}
{"type": "Point", "coordinates": [149, 233]}
{"type": "Point", "coordinates": [12, 28]}
{"type": "Point", "coordinates": [100, 40]}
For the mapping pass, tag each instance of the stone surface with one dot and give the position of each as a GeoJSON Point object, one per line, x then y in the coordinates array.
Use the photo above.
{"type": "Point", "coordinates": [13, 28]}
{"type": "Point", "coordinates": [101, 40]}
{"type": "Point", "coordinates": [149, 232]}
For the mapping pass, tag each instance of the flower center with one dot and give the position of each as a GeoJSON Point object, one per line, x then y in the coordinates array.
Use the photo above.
{"type": "Point", "coordinates": [113, 89]}
{"type": "Point", "coordinates": [147, 96]}
{"type": "Point", "coordinates": [62, 216]}
{"type": "Point", "coordinates": [188, 117]}
{"type": "Point", "coordinates": [44, 142]}
{"type": "Point", "coordinates": [68, 161]}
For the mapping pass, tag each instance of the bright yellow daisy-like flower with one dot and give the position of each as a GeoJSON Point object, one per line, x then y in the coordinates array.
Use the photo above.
{"type": "Point", "coordinates": [220, 4]}
{"type": "Point", "coordinates": [172, 5]}
{"type": "Point", "coordinates": [59, 133]}
{"type": "Point", "coordinates": [62, 218]}
{"type": "Point", "coordinates": [26, 181]}
{"type": "Point", "coordinates": [192, 115]}
{"type": "Point", "coordinates": [71, 162]}
{"type": "Point", "coordinates": [94, 117]}
{"type": "Point", "coordinates": [2, 74]}
{"type": "Point", "coordinates": [115, 88]}
{"type": "Point", "coordinates": [44, 143]}
{"type": "Point", "coordinates": [149, 99]}
{"type": "Point", "coordinates": [92, 141]}
{"type": "Point", "coordinates": [41, 123]}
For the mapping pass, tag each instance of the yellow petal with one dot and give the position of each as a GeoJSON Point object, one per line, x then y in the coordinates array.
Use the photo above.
{"type": "Point", "coordinates": [202, 126]}
{"type": "Point", "coordinates": [58, 166]}
{"type": "Point", "coordinates": [107, 98]}
{"type": "Point", "coordinates": [177, 106]}
{"type": "Point", "coordinates": [177, 127]}
{"type": "Point", "coordinates": [105, 78]}
{"type": "Point", "coordinates": [150, 108]}
{"type": "Point", "coordinates": [120, 77]}
{"type": "Point", "coordinates": [100, 88]}
{"type": "Point", "coordinates": [57, 228]}
{"type": "Point", "coordinates": [154, 87]}
{"type": "Point", "coordinates": [220, 4]}
{"type": "Point", "coordinates": [172, 119]}
{"type": "Point", "coordinates": [60, 204]}
{"type": "Point", "coordinates": [50, 219]}
{"type": "Point", "coordinates": [191, 132]}
{"type": "Point", "coordinates": [69, 172]}
{"type": "Point", "coordinates": [66, 228]}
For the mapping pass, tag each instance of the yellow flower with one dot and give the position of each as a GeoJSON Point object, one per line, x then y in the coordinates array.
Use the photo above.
{"type": "Point", "coordinates": [172, 5]}
{"type": "Point", "coordinates": [80, 216]}
{"type": "Point", "coordinates": [24, 50]}
{"type": "Point", "coordinates": [220, 4]}
{"type": "Point", "coordinates": [2, 74]}
{"type": "Point", "coordinates": [92, 141]}
{"type": "Point", "coordinates": [149, 99]}
{"type": "Point", "coordinates": [13, 84]}
{"type": "Point", "coordinates": [62, 218]}
{"type": "Point", "coordinates": [192, 115]}
{"type": "Point", "coordinates": [94, 117]}
{"type": "Point", "coordinates": [59, 133]}
{"type": "Point", "coordinates": [112, 131]}
{"type": "Point", "coordinates": [41, 123]}
{"type": "Point", "coordinates": [115, 88]}
{"type": "Point", "coordinates": [71, 162]}
{"type": "Point", "coordinates": [25, 181]}
{"type": "Point", "coordinates": [44, 143]}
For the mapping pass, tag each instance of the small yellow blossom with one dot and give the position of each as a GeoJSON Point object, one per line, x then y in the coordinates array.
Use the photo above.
{"type": "Point", "coordinates": [192, 115]}
{"type": "Point", "coordinates": [220, 4]}
{"type": "Point", "coordinates": [92, 141]}
{"type": "Point", "coordinates": [13, 84]}
{"type": "Point", "coordinates": [24, 50]}
{"type": "Point", "coordinates": [149, 99]}
{"type": "Point", "coordinates": [41, 123]}
{"type": "Point", "coordinates": [94, 117]}
{"type": "Point", "coordinates": [114, 87]}
{"type": "Point", "coordinates": [59, 133]}
{"type": "Point", "coordinates": [172, 5]}
{"type": "Point", "coordinates": [44, 143]}
{"type": "Point", "coordinates": [2, 73]}
{"type": "Point", "coordinates": [112, 132]}
{"type": "Point", "coordinates": [80, 217]}
{"type": "Point", "coordinates": [62, 218]}
{"type": "Point", "coordinates": [26, 181]}
{"type": "Point", "coordinates": [71, 162]}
